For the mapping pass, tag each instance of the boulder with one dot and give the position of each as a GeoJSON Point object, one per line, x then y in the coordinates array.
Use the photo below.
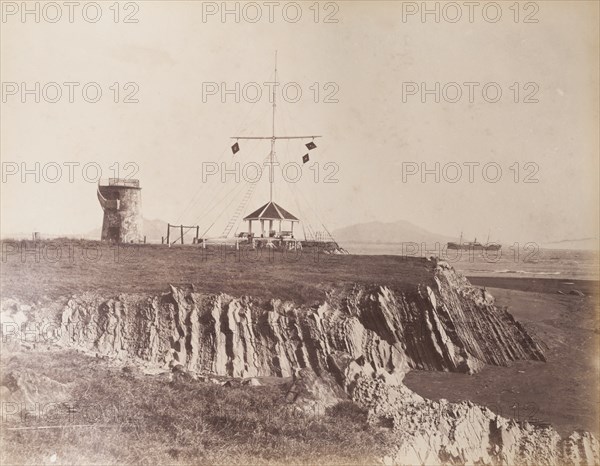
{"type": "Point", "coordinates": [311, 393]}
{"type": "Point", "coordinates": [252, 382]}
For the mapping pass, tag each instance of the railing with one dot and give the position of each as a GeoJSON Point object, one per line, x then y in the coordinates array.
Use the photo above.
{"type": "Point", "coordinates": [120, 182]}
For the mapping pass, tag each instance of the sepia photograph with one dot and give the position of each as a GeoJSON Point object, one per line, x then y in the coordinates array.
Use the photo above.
{"type": "Point", "coordinates": [300, 232]}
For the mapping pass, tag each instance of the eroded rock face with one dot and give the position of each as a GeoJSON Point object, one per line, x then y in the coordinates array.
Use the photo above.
{"type": "Point", "coordinates": [27, 388]}
{"type": "Point", "coordinates": [440, 433]}
{"type": "Point", "coordinates": [312, 393]}
{"type": "Point", "coordinates": [358, 343]}
{"type": "Point", "coordinates": [450, 326]}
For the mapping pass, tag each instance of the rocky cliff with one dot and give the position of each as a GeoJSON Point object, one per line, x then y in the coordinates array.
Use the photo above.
{"type": "Point", "coordinates": [450, 326]}
{"type": "Point", "coordinates": [431, 432]}
{"type": "Point", "coordinates": [357, 343]}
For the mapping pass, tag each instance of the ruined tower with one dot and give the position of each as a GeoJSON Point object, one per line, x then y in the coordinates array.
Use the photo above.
{"type": "Point", "coordinates": [121, 200]}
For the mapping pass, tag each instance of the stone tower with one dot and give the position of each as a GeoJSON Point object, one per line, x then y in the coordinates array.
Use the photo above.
{"type": "Point", "coordinates": [121, 200]}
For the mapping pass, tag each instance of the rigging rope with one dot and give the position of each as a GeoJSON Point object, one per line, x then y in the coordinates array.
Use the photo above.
{"type": "Point", "coordinates": [232, 191]}
{"type": "Point", "coordinates": [242, 127]}
{"type": "Point", "coordinates": [296, 190]}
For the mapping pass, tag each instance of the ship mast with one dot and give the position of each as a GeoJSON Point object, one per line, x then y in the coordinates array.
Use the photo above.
{"type": "Point", "coordinates": [272, 155]}
{"type": "Point", "coordinates": [273, 137]}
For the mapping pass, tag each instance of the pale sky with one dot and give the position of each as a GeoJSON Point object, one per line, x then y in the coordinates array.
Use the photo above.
{"type": "Point", "coordinates": [370, 133]}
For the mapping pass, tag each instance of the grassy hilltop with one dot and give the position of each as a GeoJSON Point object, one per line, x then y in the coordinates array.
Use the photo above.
{"type": "Point", "coordinates": [123, 416]}
{"type": "Point", "coordinates": [119, 416]}
{"type": "Point", "coordinates": [62, 268]}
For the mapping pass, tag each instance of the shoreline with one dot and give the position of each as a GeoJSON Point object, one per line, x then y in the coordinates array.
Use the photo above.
{"type": "Point", "coordinates": [538, 285]}
{"type": "Point", "coordinates": [563, 391]}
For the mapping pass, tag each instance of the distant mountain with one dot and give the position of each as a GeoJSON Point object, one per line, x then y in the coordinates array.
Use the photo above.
{"type": "Point", "coordinates": [396, 232]}
{"type": "Point", "coordinates": [405, 232]}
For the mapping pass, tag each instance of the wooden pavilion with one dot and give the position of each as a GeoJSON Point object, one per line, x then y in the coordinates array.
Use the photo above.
{"type": "Point", "coordinates": [271, 213]}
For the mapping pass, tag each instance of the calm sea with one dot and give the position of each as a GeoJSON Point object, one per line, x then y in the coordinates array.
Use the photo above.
{"type": "Point", "coordinates": [518, 260]}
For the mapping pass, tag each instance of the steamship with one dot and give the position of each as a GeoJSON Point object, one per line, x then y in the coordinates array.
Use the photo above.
{"type": "Point", "coordinates": [474, 245]}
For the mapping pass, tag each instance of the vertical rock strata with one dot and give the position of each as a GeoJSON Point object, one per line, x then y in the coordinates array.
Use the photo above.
{"type": "Point", "coordinates": [447, 326]}
{"type": "Point", "coordinates": [357, 343]}
{"type": "Point", "coordinates": [442, 433]}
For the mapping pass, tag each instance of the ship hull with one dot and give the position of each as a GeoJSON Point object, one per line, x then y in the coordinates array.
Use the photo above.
{"type": "Point", "coordinates": [474, 247]}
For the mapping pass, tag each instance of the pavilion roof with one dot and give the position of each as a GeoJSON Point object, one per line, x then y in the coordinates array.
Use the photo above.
{"type": "Point", "coordinates": [271, 211]}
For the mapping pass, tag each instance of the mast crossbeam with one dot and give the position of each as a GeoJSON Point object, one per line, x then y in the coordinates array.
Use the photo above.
{"type": "Point", "coordinates": [273, 137]}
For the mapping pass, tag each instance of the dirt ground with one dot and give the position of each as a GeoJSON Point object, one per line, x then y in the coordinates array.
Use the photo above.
{"type": "Point", "coordinates": [564, 391]}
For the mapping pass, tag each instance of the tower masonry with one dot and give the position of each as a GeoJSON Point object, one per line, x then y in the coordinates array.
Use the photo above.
{"type": "Point", "coordinates": [121, 200]}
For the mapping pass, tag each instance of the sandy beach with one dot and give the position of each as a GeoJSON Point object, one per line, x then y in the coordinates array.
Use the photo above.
{"type": "Point", "coordinates": [564, 390]}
